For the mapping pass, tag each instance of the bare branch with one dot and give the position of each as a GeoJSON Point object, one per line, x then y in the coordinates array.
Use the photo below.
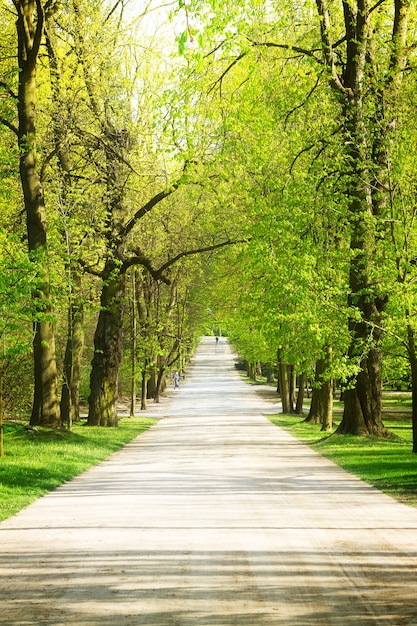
{"type": "Point", "coordinates": [303, 51]}
{"type": "Point", "coordinates": [90, 269]}
{"type": "Point", "coordinates": [283, 46]}
{"type": "Point", "coordinates": [378, 4]}
{"type": "Point", "coordinates": [47, 160]}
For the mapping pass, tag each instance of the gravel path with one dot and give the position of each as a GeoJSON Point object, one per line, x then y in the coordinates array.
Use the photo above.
{"type": "Point", "coordinates": [212, 517]}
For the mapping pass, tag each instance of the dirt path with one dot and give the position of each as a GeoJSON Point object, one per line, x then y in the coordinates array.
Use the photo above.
{"type": "Point", "coordinates": [212, 517]}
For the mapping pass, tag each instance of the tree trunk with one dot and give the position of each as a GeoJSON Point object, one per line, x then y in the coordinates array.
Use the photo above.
{"type": "Point", "coordinates": [70, 403]}
{"type": "Point", "coordinates": [159, 383]}
{"type": "Point", "coordinates": [70, 397]}
{"type": "Point", "coordinates": [284, 385]}
{"type": "Point", "coordinates": [151, 384]}
{"type": "Point", "coordinates": [366, 127]}
{"type": "Point", "coordinates": [29, 25]}
{"type": "Point", "coordinates": [144, 394]}
{"type": "Point", "coordinates": [314, 416]}
{"type": "Point", "coordinates": [292, 375]}
{"type": "Point", "coordinates": [270, 373]}
{"type": "Point", "coordinates": [252, 371]}
{"type": "Point", "coordinates": [300, 396]}
{"type": "Point", "coordinates": [107, 349]}
{"type": "Point", "coordinates": [321, 409]}
{"type": "Point", "coordinates": [363, 396]}
{"type": "Point", "coordinates": [412, 356]}
{"type": "Point", "coordinates": [133, 347]}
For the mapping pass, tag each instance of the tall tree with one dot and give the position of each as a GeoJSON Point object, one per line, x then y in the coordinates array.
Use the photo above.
{"type": "Point", "coordinates": [30, 20]}
{"type": "Point", "coordinates": [365, 88]}
{"type": "Point", "coordinates": [363, 52]}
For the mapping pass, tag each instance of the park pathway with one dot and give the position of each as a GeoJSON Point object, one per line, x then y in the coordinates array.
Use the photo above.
{"type": "Point", "coordinates": [212, 517]}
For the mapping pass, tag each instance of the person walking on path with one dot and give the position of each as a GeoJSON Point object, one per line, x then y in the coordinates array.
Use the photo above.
{"type": "Point", "coordinates": [176, 380]}
{"type": "Point", "coordinates": [214, 516]}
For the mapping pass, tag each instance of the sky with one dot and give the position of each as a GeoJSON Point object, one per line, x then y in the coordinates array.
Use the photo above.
{"type": "Point", "coordinates": [153, 17]}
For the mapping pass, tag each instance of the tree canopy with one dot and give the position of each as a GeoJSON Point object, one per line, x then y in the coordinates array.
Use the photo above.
{"type": "Point", "coordinates": [221, 164]}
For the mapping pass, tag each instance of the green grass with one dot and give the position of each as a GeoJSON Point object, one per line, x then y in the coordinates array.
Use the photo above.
{"type": "Point", "coordinates": [35, 463]}
{"type": "Point", "coordinates": [389, 465]}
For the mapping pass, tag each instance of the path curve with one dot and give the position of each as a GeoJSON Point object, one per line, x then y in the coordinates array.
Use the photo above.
{"type": "Point", "coordinates": [212, 517]}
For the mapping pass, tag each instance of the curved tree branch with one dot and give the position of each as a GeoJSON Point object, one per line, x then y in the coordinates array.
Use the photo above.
{"type": "Point", "coordinates": [159, 274]}
{"type": "Point", "coordinates": [194, 251]}
{"type": "Point", "coordinates": [9, 125]}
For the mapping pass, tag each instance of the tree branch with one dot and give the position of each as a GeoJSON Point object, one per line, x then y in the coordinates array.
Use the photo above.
{"type": "Point", "coordinates": [148, 206]}
{"type": "Point", "coordinates": [141, 259]}
{"type": "Point", "coordinates": [89, 269]}
{"type": "Point", "coordinates": [227, 70]}
{"type": "Point", "coordinates": [210, 248]}
{"type": "Point", "coordinates": [159, 274]}
{"type": "Point", "coordinates": [327, 47]}
{"type": "Point", "coordinates": [284, 46]}
{"type": "Point", "coordinates": [300, 106]}
{"type": "Point", "coordinates": [9, 125]}
{"type": "Point", "coordinates": [8, 90]}
{"type": "Point", "coordinates": [38, 31]}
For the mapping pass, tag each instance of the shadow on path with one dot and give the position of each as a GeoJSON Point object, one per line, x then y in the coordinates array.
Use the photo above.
{"type": "Point", "coordinates": [212, 517]}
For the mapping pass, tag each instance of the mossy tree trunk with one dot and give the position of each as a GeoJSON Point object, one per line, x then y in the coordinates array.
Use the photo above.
{"type": "Point", "coordinates": [412, 356]}
{"type": "Point", "coordinates": [70, 396]}
{"type": "Point", "coordinates": [284, 384]}
{"type": "Point", "coordinates": [30, 28]}
{"type": "Point", "coordinates": [107, 348]}
{"type": "Point", "coordinates": [364, 91]}
{"type": "Point", "coordinates": [302, 381]}
{"type": "Point", "coordinates": [321, 409]}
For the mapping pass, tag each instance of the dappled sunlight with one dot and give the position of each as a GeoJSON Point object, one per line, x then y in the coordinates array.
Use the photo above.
{"type": "Point", "coordinates": [212, 517]}
{"type": "Point", "coordinates": [184, 585]}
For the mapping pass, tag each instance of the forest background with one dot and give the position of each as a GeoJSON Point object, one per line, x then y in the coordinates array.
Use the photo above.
{"type": "Point", "coordinates": [246, 168]}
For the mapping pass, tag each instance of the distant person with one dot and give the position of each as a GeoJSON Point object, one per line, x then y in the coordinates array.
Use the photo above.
{"type": "Point", "coordinates": [176, 380]}
{"type": "Point", "coordinates": [217, 340]}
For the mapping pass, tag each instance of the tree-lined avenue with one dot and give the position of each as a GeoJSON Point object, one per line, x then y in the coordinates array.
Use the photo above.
{"type": "Point", "coordinates": [213, 516]}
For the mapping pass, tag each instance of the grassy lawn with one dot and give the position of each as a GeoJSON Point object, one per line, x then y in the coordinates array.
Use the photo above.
{"type": "Point", "coordinates": [389, 465]}
{"type": "Point", "coordinates": [37, 462]}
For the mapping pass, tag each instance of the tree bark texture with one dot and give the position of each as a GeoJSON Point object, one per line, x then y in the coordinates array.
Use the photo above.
{"type": "Point", "coordinates": [70, 397]}
{"type": "Point", "coordinates": [412, 356]}
{"type": "Point", "coordinates": [107, 349]}
{"type": "Point", "coordinates": [284, 385]}
{"type": "Point", "coordinates": [321, 408]}
{"type": "Point", "coordinates": [366, 130]}
{"type": "Point", "coordinates": [30, 26]}
{"type": "Point", "coordinates": [302, 381]}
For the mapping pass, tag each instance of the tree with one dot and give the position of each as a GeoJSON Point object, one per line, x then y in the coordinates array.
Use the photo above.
{"type": "Point", "coordinates": [123, 246]}
{"type": "Point", "coordinates": [321, 408]}
{"type": "Point", "coordinates": [362, 56]}
{"type": "Point", "coordinates": [30, 20]}
{"type": "Point", "coordinates": [67, 200]}
{"type": "Point", "coordinates": [365, 89]}
{"type": "Point", "coordinates": [18, 276]}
